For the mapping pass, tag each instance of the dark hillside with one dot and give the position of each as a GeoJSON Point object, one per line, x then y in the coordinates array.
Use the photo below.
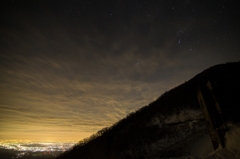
{"type": "Point", "coordinates": [165, 126]}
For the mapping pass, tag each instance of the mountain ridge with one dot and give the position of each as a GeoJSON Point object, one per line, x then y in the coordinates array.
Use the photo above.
{"type": "Point", "coordinates": [157, 129]}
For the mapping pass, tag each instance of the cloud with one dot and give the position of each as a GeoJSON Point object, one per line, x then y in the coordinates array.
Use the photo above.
{"type": "Point", "coordinates": [62, 82]}
{"type": "Point", "coordinates": [81, 95]}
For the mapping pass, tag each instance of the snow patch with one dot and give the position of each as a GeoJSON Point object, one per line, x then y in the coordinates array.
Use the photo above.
{"type": "Point", "coordinates": [202, 146]}
{"type": "Point", "coordinates": [184, 115]}
{"type": "Point", "coordinates": [231, 150]}
{"type": "Point", "coordinates": [232, 141]}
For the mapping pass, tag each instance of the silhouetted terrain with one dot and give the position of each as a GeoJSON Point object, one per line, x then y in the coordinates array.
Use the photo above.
{"type": "Point", "coordinates": [167, 127]}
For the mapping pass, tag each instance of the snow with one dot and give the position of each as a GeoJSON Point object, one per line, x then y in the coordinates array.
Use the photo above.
{"type": "Point", "coordinates": [202, 146]}
{"type": "Point", "coordinates": [232, 141]}
{"type": "Point", "coordinates": [230, 151]}
{"type": "Point", "coordinates": [185, 115]}
{"type": "Point", "coordinates": [198, 139]}
{"type": "Point", "coordinates": [190, 132]}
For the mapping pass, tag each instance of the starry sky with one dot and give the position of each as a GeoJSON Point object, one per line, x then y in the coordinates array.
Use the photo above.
{"type": "Point", "coordinates": [71, 68]}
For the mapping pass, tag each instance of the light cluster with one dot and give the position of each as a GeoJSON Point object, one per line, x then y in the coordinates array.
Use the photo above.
{"type": "Point", "coordinates": [34, 146]}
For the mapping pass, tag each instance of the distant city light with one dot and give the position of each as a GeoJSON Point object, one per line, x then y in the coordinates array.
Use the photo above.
{"type": "Point", "coordinates": [23, 148]}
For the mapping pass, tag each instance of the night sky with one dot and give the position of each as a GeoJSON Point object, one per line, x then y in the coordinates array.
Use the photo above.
{"type": "Point", "coordinates": [70, 68]}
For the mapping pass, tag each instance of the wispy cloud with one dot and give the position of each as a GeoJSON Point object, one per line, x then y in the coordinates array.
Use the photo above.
{"type": "Point", "coordinates": [70, 81]}
{"type": "Point", "coordinates": [78, 93]}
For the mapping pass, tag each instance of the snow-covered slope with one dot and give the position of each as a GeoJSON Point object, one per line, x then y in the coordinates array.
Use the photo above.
{"type": "Point", "coordinates": [192, 138]}
{"type": "Point", "coordinates": [183, 132]}
{"type": "Point", "coordinates": [191, 135]}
